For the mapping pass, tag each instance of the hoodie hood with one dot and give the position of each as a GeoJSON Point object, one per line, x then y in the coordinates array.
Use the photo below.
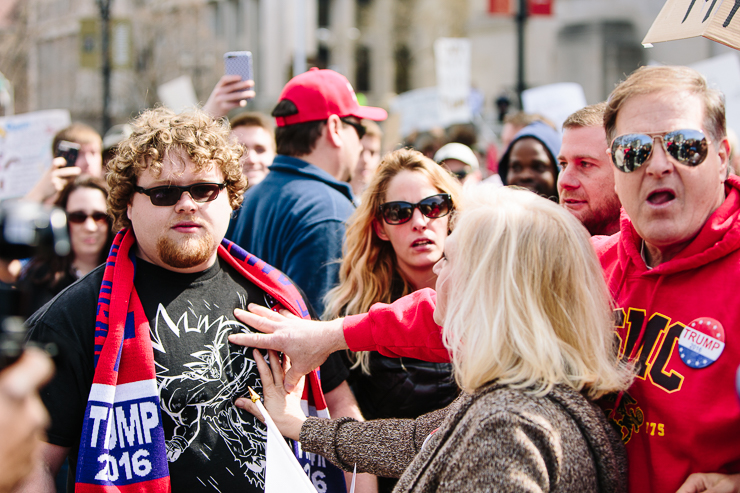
{"type": "Point", "coordinates": [548, 137]}
{"type": "Point", "coordinates": [606, 446]}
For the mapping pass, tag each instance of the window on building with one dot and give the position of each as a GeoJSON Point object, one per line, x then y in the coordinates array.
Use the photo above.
{"type": "Point", "coordinates": [362, 68]}
{"type": "Point", "coordinates": [402, 57]}
{"type": "Point", "coordinates": [323, 17]}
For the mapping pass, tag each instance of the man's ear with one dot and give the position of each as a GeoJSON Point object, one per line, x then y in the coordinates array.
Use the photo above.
{"type": "Point", "coordinates": [379, 230]}
{"type": "Point", "coordinates": [128, 210]}
{"type": "Point", "coordinates": [724, 156]}
{"type": "Point", "coordinates": [332, 128]}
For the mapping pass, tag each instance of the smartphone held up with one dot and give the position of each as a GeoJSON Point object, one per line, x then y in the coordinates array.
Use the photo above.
{"type": "Point", "coordinates": [239, 63]}
{"type": "Point", "coordinates": [69, 151]}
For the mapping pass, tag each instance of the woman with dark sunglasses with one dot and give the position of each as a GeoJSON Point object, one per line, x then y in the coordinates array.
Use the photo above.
{"type": "Point", "coordinates": [393, 241]}
{"type": "Point", "coordinates": [84, 200]}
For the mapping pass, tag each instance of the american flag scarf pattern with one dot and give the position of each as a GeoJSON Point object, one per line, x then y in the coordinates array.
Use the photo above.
{"type": "Point", "coordinates": [122, 446]}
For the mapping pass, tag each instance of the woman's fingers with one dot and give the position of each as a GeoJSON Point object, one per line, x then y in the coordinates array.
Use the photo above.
{"type": "Point", "coordinates": [264, 370]}
{"type": "Point", "coordinates": [277, 369]}
{"type": "Point", "coordinates": [249, 406]}
{"type": "Point", "coordinates": [285, 313]}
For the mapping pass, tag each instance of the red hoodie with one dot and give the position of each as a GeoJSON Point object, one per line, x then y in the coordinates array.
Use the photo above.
{"type": "Point", "coordinates": [681, 415]}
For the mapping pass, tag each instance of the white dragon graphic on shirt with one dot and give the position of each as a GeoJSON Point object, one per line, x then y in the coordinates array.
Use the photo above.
{"type": "Point", "coordinates": [202, 387]}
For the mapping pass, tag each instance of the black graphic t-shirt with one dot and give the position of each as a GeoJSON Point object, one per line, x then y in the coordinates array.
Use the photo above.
{"type": "Point", "coordinates": [211, 444]}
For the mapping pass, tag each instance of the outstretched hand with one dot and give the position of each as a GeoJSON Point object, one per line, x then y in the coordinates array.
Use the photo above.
{"type": "Point", "coordinates": [306, 342]}
{"type": "Point", "coordinates": [284, 407]}
{"type": "Point", "coordinates": [711, 483]}
{"type": "Point", "coordinates": [52, 181]}
{"type": "Point", "coordinates": [230, 92]}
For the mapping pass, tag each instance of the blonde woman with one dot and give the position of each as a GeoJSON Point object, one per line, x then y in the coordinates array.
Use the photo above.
{"type": "Point", "coordinates": [527, 321]}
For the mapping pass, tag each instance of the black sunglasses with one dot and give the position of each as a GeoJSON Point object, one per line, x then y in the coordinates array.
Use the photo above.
{"type": "Point", "coordinates": [170, 194]}
{"type": "Point", "coordinates": [689, 147]}
{"type": "Point", "coordinates": [79, 217]}
{"type": "Point", "coordinates": [356, 125]}
{"type": "Point", "coordinates": [401, 212]}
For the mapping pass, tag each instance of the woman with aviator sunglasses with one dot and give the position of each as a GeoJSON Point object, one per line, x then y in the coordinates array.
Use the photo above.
{"type": "Point", "coordinates": [393, 241]}
{"type": "Point", "coordinates": [84, 200]}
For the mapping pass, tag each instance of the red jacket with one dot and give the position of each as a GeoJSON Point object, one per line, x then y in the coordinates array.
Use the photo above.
{"type": "Point", "coordinates": [681, 415]}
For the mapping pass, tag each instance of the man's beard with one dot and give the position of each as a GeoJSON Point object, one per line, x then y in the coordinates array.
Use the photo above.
{"type": "Point", "coordinates": [604, 221]}
{"type": "Point", "coordinates": [189, 253]}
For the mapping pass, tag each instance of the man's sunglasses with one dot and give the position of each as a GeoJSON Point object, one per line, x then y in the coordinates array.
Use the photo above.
{"type": "Point", "coordinates": [401, 212]}
{"type": "Point", "coordinates": [170, 194]}
{"type": "Point", "coordinates": [688, 147]}
{"type": "Point", "coordinates": [356, 125]}
{"type": "Point", "coordinates": [79, 217]}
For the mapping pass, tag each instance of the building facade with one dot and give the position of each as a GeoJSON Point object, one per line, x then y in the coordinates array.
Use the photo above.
{"type": "Point", "coordinates": [384, 47]}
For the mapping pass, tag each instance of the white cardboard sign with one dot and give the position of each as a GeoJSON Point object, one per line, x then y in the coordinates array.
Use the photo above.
{"type": "Point", "coordinates": [718, 20]}
{"type": "Point", "coordinates": [25, 149]}
{"type": "Point", "coordinates": [452, 63]}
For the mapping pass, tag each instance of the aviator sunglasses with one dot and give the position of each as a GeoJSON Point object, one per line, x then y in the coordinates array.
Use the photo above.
{"type": "Point", "coordinates": [689, 147]}
{"type": "Point", "coordinates": [79, 217]}
{"type": "Point", "coordinates": [432, 207]}
{"type": "Point", "coordinates": [170, 194]}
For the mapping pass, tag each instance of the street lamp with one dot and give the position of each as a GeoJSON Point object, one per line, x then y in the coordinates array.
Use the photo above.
{"type": "Point", "coordinates": [521, 19]}
{"type": "Point", "coordinates": [104, 7]}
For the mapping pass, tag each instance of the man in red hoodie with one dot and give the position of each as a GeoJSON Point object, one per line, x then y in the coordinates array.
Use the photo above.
{"type": "Point", "coordinates": [670, 270]}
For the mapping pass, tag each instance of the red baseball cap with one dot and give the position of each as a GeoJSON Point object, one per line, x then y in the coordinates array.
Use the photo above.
{"type": "Point", "coordinates": [318, 94]}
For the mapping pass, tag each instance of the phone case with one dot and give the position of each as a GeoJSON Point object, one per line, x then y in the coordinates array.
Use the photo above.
{"type": "Point", "coordinates": [239, 63]}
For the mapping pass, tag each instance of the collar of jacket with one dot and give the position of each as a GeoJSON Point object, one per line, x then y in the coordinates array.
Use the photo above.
{"type": "Point", "coordinates": [297, 166]}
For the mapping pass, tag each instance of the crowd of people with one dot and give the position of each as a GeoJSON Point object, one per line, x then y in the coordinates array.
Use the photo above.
{"type": "Point", "coordinates": [433, 327]}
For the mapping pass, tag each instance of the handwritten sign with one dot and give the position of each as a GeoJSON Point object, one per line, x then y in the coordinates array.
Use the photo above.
{"type": "Point", "coordinates": [25, 149]}
{"type": "Point", "coordinates": [717, 20]}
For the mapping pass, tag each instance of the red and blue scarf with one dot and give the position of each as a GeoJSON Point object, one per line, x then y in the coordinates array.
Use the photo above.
{"type": "Point", "coordinates": [122, 446]}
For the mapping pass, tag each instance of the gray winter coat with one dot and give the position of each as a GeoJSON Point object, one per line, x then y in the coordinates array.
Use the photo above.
{"type": "Point", "coordinates": [497, 439]}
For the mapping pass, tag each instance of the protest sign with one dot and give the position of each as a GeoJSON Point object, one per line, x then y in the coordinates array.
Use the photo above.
{"type": "Point", "coordinates": [25, 149]}
{"type": "Point", "coordinates": [418, 109]}
{"type": "Point", "coordinates": [717, 20]}
{"type": "Point", "coordinates": [452, 64]}
{"type": "Point", "coordinates": [555, 101]}
{"type": "Point", "coordinates": [178, 94]}
{"type": "Point", "coordinates": [723, 73]}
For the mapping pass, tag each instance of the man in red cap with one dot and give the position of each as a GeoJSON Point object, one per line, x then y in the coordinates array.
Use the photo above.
{"type": "Point", "coordinates": [295, 218]}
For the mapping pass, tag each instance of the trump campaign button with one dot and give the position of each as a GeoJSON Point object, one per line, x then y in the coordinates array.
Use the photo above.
{"type": "Point", "coordinates": [701, 342]}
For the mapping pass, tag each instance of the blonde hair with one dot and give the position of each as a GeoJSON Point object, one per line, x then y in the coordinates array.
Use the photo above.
{"type": "Point", "coordinates": [655, 79]}
{"type": "Point", "coordinates": [205, 141]}
{"type": "Point", "coordinates": [369, 263]}
{"type": "Point", "coordinates": [588, 116]}
{"type": "Point", "coordinates": [527, 305]}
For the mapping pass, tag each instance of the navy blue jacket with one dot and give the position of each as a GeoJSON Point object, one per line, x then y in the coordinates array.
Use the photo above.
{"type": "Point", "coordinates": [295, 220]}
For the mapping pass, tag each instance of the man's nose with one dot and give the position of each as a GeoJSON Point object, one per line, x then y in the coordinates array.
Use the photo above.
{"type": "Point", "coordinates": [186, 203]}
{"type": "Point", "coordinates": [567, 178]}
{"type": "Point", "coordinates": [659, 163]}
{"type": "Point", "coordinates": [526, 175]}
